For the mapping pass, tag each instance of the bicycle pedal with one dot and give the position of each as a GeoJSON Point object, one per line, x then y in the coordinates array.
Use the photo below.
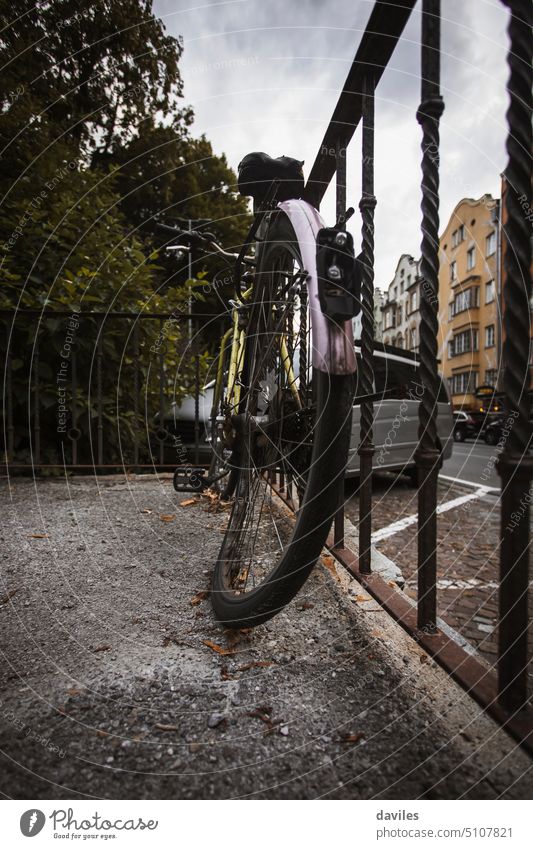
{"type": "Point", "coordinates": [190, 480]}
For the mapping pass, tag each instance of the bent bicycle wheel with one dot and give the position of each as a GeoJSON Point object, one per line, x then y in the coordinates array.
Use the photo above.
{"type": "Point", "coordinates": [293, 429]}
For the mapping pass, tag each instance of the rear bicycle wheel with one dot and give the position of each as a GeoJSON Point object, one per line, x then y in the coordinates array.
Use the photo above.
{"type": "Point", "coordinates": [293, 426]}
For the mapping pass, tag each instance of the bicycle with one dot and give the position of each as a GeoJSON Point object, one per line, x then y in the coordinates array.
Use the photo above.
{"type": "Point", "coordinates": [281, 417]}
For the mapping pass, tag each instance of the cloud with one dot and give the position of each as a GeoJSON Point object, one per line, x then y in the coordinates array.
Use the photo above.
{"type": "Point", "coordinates": [266, 76]}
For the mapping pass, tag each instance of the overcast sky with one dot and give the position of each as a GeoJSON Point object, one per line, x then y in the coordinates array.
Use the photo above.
{"type": "Point", "coordinates": [266, 76]}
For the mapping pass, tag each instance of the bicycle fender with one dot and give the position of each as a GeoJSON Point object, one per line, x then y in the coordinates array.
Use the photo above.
{"type": "Point", "coordinates": [333, 344]}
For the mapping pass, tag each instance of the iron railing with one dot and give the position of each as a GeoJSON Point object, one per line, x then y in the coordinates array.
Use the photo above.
{"type": "Point", "coordinates": [116, 420]}
{"type": "Point", "coordinates": [505, 695]}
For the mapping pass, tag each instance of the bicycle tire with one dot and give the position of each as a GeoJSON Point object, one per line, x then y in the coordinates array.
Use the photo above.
{"type": "Point", "coordinates": [331, 437]}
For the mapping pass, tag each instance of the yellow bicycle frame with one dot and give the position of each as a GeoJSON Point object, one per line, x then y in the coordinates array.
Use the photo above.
{"type": "Point", "coordinates": [238, 338]}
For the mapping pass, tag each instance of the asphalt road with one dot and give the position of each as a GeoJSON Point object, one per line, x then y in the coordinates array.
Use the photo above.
{"type": "Point", "coordinates": [474, 462]}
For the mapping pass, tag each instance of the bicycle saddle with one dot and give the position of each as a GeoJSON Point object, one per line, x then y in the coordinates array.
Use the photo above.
{"type": "Point", "coordinates": [258, 170]}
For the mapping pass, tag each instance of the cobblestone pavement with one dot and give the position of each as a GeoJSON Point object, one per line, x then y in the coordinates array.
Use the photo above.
{"type": "Point", "coordinates": [468, 555]}
{"type": "Point", "coordinates": [116, 682]}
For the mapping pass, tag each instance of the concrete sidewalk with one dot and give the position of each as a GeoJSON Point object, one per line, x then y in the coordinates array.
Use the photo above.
{"type": "Point", "coordinates": [118, 683]}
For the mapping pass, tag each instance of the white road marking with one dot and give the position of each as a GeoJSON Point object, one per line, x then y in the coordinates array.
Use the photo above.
{"type": "Point", "coordinates": [398, 526]}
{"type": "Point", "coordinates": [469, 483]}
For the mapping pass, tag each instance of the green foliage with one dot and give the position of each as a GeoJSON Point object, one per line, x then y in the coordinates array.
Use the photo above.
{"type": "Point", "coordinates": [88, 162]}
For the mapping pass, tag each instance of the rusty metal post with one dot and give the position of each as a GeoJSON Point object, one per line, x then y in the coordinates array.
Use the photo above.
{"type": "Point", "coordinates": [515, 461]}
{"type": "Point", "coordinates": [366, 380]}
{"type": "Point", "coordinates": [428, 455]}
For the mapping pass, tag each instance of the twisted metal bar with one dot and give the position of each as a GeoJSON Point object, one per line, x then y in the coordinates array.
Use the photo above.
{"type": "Point", "coordinates": [515, 462]}
{"type": "Point", "coordinates": [427, 453]}
{"type": "Point", "coordinates": [366, 377]}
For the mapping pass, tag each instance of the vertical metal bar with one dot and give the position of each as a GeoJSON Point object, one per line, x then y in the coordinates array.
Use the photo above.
{"type": "Point", "coordinates": [367, 206]}
{"type": "Point", "coordinates": [161, 393]}
{"type": "Point", "coordinates": [9, 403]}
{"type": "Point", "coordinates": [428, 456]}
{"type": "Point", "coordinates": [515, 461]}
{"type": "Point", "coordinates": [136, 393]}
{"type": "Point", "coordinates": [36, 401]}
{"type": "Point", "coordinates": [340, 184]}
{"type": "Point", "coordinates": [74, 430]}
{"type": "Point", "coordinates": [340, 178]}
{"type": "Point", "coordinates": [99, 419]}
{"type": "Point", "coordinates": [196, 402]}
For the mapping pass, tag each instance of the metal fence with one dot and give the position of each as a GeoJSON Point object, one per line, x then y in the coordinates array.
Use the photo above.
{"type": "Point", "coordinates": [67, 406]}
{"type": "Point", "coordinates": [505, 694]}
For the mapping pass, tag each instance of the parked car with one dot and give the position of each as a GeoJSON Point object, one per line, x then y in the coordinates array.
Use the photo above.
{"type": "Point", "coordinates": [464, 426]}
{"type": "Point", "coordinates": [395, 432]}
{"type": "Point", "coordinates": [494, 431]}
{"type": "Point", "coordinates": [395, 423]}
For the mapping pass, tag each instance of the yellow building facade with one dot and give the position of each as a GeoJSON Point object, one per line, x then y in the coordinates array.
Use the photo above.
{"type": "Point", "coordinates": [469, 320]}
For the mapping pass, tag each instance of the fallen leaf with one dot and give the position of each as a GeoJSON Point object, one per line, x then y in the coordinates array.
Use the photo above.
{"type": "Point", "coordinates": [38, 536]}
{"type": "Point", "coordinates": [217, 648]}
{"type": "Point", "coordinates": [102, 733]}
{"type": "Point", "coordinates": [104, 647]}
{"type": "Point", "coordinates": [363, 598]}
{"type": "Point", "coordinates": [167, 518]}
{"type": "Point", "coordinates": [73, 691]}
{"type": "Point", "coordinates": [262, 715]}
{"type": "Point", "coordinates": [188, 502]}
{"type": "Point", "coordinates": [306, 605]}
{"type": "Point", "coordinates": [199, 597]}
{"type": "Point", "coordinates": [329, 563]}
{"type": "Point", "coordinates": [353, 738]}
{"type": "Point", "coordinates": [376, 633]}
{"type": "Point", "coordinates": [255, 664]}
{"type": "Point", "coordinates": [8, 595]}
{"type": "Point", "coordinates": [424, 658]}
{"type": "Point", "coordinates": [161, 727]}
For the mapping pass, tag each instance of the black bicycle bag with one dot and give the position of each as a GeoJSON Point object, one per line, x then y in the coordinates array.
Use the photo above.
{"type": "Point", "coordinates": [257, 171]}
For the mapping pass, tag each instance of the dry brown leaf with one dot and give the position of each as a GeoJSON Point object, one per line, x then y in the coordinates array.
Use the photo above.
{"type": "Point", "coordinates": [161, 727]}
{"type": "Point", "coordinates": [306, 605]}
{"type": "Point", "coordinates": [424, 658]}
{"type": "Point", "coordinates": [376, 633]}
{"type": "Point", "coordinates": [329, 563]}
{"type": "Point", "coordinates": [200, 596]}
{"type": "Point", "coordinates": [167, 518]}
{"type": "Point", "coordinates": [38, 536]}
{"type": "Point", "coordinates": [363, 598]}
{"type": "Point", "coordinates": [353, 738]}
{"type": "Point", "coordinates": [102, 733]}
{"type": "Point", "coordinates": [103, 647]}
{"type": "Point", "coordinates": [217, 648]}
{"type": "Point", "coordinates": [8, 595]}
{"type": "Point", "coordinates": [255, 664]}
{"type": "Point", "coordinates": [188, 502]}
{"type": "Point", "coordinates": [73, 691]}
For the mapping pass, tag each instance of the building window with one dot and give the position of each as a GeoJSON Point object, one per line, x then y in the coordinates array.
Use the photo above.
{"type": "Point", "coordinates": [458, 236]}
{"type": "Point", "coordinates": [463, 343]}
{"type": "Point", "coordinates": [491, 376]}
{"type": "Point", "coordinates": [470, 258]}
{"type": "Point", "coordinates": [465, 300]}
{"type": "Point", "coordinates": [461, 384]}
{"type": "Point", "coordinates": [489, 336]}
{"type": "Point", "coordinates": [489, 292]}
{"type": "Point", "coordinates": [401, 286]}
{"type": "Point", "coordinates": [491, 244]}
{"type": "Point", "coordinates": [453, 271]}
{"type": "Point", "coordinates": [414, 339]}
{"type": "Point", "coordinates": [413, 301]}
